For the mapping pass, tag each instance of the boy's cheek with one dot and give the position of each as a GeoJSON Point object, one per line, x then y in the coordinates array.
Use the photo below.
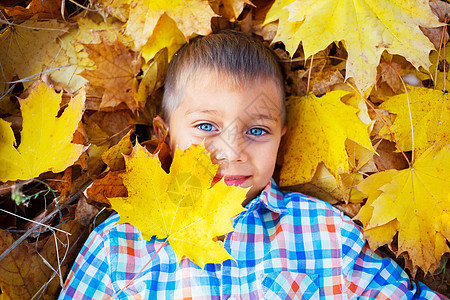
{"type": "Point", "coordinates": [211, 147]}
{"type": "Point", "coordinates": [184, 143]}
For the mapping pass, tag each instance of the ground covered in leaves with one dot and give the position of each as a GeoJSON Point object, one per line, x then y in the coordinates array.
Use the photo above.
{"type": "Point", "coordinates": [367, 114]}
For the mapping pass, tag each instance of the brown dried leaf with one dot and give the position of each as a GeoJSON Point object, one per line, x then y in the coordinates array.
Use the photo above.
{"type": "Point", "coordinates": [109, 186]}
{"type": "Point", "coordinates": [11, 3]}
{"type": "Point", "coordinates": [100, 142]}
{"type": "Point", "coordinates": [85, 212]}
{"type": "Point", "coordinates": [296, 83]}
{"type": "Point", "coordinates": [436, 35]}
{"type": "Point", "coordinates": [390, 73]}
{"type": "Point", "coordinates": [324, 80]}
{"type": "Point", "coordinates": [62, 182]}
{"type": "Point", "coordinates": [94, 30]}
{"type": "Point", "coordinates": [95, 163]}
{"type": "Point", "coordinates": [95, 134]}
{"type": "Point", "coordinates": [164, 154]}
{"type": "Point", "coordinates": [115, 124]}
{"type": "Point", "coordinates": [38, 9]}
{"type": "Point", "coordinates": [94, 95]}
{"type": "Point", "coordinates": [350, 209]}
{"type": "Point", "coordinates": [116, 70]}
{"type": "Point", "coordinates": [259, 12]}
{"type": "Point", "coordinates": [388, 158]}
{"type": "Point", "coordinates": [23, 272]}
{"type": "Point", "coordinates": [440, 8]}
{"type": "Point", "coordinates": [378, 115]}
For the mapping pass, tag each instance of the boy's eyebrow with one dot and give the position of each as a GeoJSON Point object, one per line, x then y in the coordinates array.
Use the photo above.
{"type": "Point", "coordinates": [206, 111]}
{"type": "Point", "coordinates": [257, 116]}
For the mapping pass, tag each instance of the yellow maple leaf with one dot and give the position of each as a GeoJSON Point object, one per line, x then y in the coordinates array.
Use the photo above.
{"type": "Point", "coordinates": [324, 186]}
{"type": "Point", "coordinates": [45, 138]}
{"type": "Point", "coordinates": [430, 112]}
{"type": "Point", "coordinates": [317, 130]}
{"type": "Point", "coordinates": [416, 203]}
{"type": "Point", "coordinates": [179, 206]}
{"type": "Point", "coordinates": [33, 47]}
{"type": "Point", "coordinates": [286, 28]}
{"type": "Point", "coordinates": [367, 28]}
{"type": "Point", "coordinates": [113, 156]}
{"type": "Point", "coordinates": [21, 45]}
{"type": "Point", "coordinates": [379, 235]}
{"type": "Point", "coordinates": [115, 70]}
{"type": "Point", "coordinates": [165, 34]}
{"type": "Point", "coordinates": [152, 79]}
{"type": "Point", "coordinates": [67, 75]}
{"type": "Point", "coordinates": [191, 17]}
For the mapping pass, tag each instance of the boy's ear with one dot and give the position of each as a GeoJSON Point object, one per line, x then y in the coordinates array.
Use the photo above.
{"type": "Point", "coordinates": [160, 127]}
{"type": "Point", "coordinates": [283, 131]}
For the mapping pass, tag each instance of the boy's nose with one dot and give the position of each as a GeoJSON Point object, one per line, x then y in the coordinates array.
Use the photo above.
{"type": "Point", "coordinates": [229, 149]}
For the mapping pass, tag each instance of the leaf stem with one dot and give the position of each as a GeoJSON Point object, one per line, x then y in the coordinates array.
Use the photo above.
{"type": "Point", "coordinates": [443, 43]}
{"type": "Point", "coordinates": [410, 115]}
{"type": "Point", "coordinates": [309, 73]}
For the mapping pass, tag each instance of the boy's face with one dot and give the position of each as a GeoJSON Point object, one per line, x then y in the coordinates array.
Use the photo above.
{"type": "Point", "coordinates": [241, 128]}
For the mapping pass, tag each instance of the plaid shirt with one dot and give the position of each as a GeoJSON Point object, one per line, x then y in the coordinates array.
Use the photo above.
{"type": "Point", "coordinates": [284, 245]}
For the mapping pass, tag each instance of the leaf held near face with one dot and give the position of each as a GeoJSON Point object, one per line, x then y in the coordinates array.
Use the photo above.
{"type": "Point", "coordinates": [181, 206]}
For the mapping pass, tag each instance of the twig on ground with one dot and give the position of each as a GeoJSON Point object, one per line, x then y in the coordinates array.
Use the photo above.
{"type": "Point", "coordinates": [35, 227]}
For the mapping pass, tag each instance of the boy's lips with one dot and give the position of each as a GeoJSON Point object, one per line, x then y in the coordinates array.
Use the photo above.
{"type": "Point", "coordinates": [235, 180]}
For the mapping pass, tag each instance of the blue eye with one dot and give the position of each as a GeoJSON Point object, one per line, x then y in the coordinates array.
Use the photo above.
{"type": "Point", "coordinates": [206, 127]}
{"type": "Point", "coordinates": [256, 131]}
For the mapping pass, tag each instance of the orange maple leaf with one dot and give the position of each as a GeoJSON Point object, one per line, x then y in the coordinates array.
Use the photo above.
{"type": "Point", "coordinates": [116, 70]}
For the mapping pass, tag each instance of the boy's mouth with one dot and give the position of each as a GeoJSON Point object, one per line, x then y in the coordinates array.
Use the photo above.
{"type": "Point", "coordinates": [235, 180]}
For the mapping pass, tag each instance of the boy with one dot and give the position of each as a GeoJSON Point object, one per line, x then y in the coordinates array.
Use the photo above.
{"type": "Point", "coordinates": [227, 90]}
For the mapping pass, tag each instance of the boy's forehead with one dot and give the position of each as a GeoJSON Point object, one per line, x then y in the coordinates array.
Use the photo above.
{"type": "Point", "coordinates": [258, 110]}
{"type": "Point", "coordinates": [264, 101]}
{"type": "Point", "coordinates": [221, 82]}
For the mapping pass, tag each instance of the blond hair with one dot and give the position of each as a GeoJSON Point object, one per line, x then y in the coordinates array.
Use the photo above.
{"type": "Point", "coordinates": [238, 58]}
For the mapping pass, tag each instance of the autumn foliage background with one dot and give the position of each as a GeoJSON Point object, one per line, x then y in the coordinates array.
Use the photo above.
{"type": "Point", "coordinates": [367, 116]}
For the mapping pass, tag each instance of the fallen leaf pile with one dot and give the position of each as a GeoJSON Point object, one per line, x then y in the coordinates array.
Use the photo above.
{"type": "Point", "coordinates": [81, 81]}
{"type": "Point", "coordinates": [367, 28]}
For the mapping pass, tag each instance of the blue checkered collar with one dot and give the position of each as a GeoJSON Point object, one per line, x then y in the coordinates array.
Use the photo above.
{"type": "Point", "coordinates": [272, 198]}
